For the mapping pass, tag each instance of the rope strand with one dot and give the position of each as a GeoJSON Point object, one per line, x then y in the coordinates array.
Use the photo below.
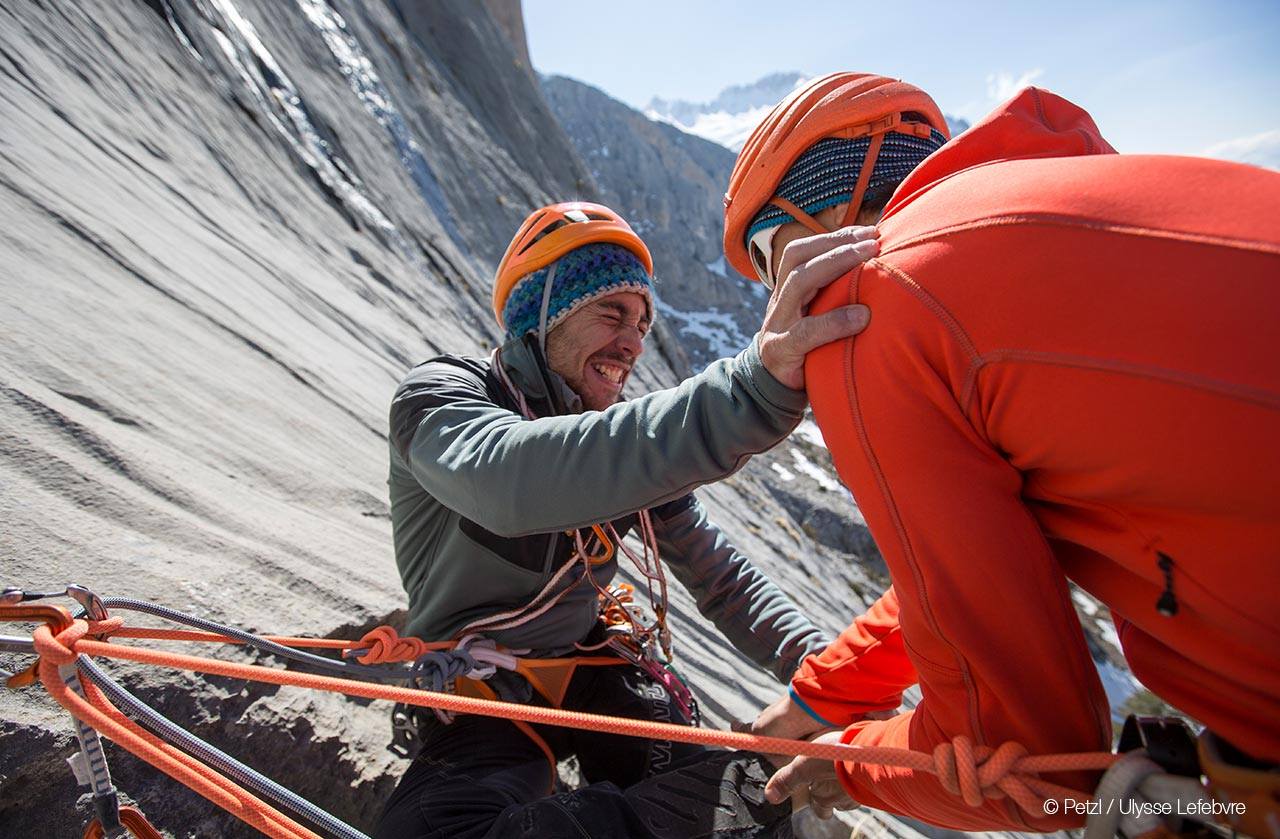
{"type": "Point", "coordinates": [973, 773]}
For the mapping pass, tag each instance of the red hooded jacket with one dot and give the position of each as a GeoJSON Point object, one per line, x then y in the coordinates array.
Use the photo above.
{"type": "Point", "coordinates": [1071, 372]}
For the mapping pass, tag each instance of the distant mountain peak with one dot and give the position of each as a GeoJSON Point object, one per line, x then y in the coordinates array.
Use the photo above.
{"type": "Point", "coordinates": [730, 117]}
{"type": "Point", "coordinates": [764, 92]}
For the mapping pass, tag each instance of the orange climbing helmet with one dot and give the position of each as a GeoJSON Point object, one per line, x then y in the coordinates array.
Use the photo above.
{"type": "Point", "coordinates": [845, 105]}
{"type": "Point", "coordinates": [552, 231]}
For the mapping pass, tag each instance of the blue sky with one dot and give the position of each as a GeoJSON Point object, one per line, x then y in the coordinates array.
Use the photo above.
{"type": "Point", "coordinates": [1170, 77]}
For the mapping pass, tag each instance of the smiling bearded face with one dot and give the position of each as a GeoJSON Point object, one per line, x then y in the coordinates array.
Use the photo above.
{"type": "Point", "coordinates": [595, 348]}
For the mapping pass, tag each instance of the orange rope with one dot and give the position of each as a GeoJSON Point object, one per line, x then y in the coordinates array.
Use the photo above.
{"type": "Point", "coordinates": [973, 773]}
{"type": "Point", "coordinates": [960, 766]}
{"type": "Point", "coordinates": [130, 817]}
{"type": "Point", "coordinates": [385, 645]}
{"type": "Point", "coordinates": [97, 711]}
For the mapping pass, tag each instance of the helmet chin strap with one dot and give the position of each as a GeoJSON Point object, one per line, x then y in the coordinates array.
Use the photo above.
{"type": "Point", "coordinates": [546, 306]}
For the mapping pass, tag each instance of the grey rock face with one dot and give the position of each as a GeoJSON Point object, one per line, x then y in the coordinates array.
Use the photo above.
{"type": "Point", "coordinates": [227, 228]}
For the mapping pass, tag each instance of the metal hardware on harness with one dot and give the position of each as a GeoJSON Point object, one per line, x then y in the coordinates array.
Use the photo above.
{"type": "Point", "coordinates": [1246, 790]}
{"type": "Point", "coordinates": [14, 644]}
{"type": "Point", "coordinates": [405, 740]}
{"type": "Point", "coordinates": [1166, 740]}
{"type": "Point", "coordinates": [646, 661]}
{"type": "Point", "coordinates": [13, 595]}
{"type": "Point", "coordinates": [90, 602]}
{"type": "Point", "coordinates": [17, 644]}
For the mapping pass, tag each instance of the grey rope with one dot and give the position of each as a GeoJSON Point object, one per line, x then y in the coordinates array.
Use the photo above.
{"type": "Point", "coordinates": [435, 670]}
{"type": "Point", "coordinates": [366, 671]}
{"type": "Point", "coordinates": [162, 727]}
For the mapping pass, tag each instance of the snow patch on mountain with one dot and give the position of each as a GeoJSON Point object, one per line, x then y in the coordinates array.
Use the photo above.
{"type": "Point", "coordinates": [808, 430]}
{"type": "Point", "coordinates": [719, 330]}
{"type": "Point", "coordinates": [727, 129]}
{"type": "Point", "coordinates": [730, 118]}
{"type": "Point", "coordinates": [805, 466]}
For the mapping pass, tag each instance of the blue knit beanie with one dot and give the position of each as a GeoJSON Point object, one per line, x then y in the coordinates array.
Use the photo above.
{"type": "Point", "coordinates": [826, 174]}
{"type": "Point", "coordinates": [582, 275]}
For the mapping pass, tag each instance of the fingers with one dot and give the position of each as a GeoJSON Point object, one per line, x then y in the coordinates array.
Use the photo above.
{"type": "Point", "coordinates": [783, 353]}
{"type": "Point", "coordinates": [813, 332]}
{"type": "Point", "coordinates": [802, 284]}
{"type": "Point", "coordinates": [797, 774]}
{"type": "Point", "coordinates": [785, 719]}
{"type": "Point", "coordinates": [829, 796]}
{"type": "Point", "coordinates": [800, 251]}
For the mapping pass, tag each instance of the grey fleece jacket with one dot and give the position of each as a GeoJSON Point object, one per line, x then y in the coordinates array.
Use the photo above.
{"type": "Point", "coordinates": [483, 501]}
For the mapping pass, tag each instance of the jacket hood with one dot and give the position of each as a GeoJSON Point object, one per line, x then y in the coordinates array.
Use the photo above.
{"type": "Point", "coordinates": [1034, 123]}
{"type": "Point", "coordinates": [523, 363]}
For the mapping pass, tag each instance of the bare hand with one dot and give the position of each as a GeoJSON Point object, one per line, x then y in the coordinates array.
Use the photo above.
{"type": "Point", "coordinates": [811, 778]}
{"type": "Point", "coordinates": [785, 719]}
{"type": "Point", "coordinates": [809, 265]}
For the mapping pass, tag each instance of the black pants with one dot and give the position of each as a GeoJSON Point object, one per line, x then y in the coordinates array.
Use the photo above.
{"type": "Point", "coordinates": [482, 778]}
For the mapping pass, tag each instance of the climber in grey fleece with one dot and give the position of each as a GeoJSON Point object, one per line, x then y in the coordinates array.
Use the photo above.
{"type": "Point", "coordinates": [481, 497]}
{"type": "Point", "coordinates": [508, 477]}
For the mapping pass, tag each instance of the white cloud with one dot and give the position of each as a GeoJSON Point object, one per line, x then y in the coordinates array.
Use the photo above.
{"type": "Point", "coordinates": [1002, 85]}
{"type": "Point", "coordinates": [1259, 149]}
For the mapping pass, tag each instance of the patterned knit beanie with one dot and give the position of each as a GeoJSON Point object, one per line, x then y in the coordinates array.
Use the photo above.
{"type": "Point", "coordinates": [582, 275]}
{"type": "Point", "coordinates": [826, 174]}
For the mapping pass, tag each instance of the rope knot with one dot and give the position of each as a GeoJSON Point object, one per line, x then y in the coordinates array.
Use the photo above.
{"type": "Point", "coordinates": [976, 773]}
{"type": "Point", "coordinates": [59, 648]}
{"type": "Point", "coordinates": [439, 670]}
{"type": "Point", "coordinates": [436, 671]}
{"type": "Point", "coordinates": [385, 645]}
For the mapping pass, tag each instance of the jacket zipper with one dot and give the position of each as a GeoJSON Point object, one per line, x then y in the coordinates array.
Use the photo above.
{"type": "Point", "coordinates": [1167, 605]}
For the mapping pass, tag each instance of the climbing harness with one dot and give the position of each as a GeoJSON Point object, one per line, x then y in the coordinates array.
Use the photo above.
{"type": "Point", "coordinates": [620, 618]}
{"type": "Point", "coordinates": [1155, 789]}
{"type": "Point", "coordinates": [645, 643]}
{"type": "Point", "coordinates": [975, 773]}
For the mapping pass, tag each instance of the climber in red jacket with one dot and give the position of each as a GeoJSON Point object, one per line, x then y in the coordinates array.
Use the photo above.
{"type": "Point", "coordinates": [1071, 373]}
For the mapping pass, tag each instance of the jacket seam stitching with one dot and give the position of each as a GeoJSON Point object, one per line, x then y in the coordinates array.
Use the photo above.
{"type": "Point", "coordinates": [931, 303]}
{"type": "Point", "coordinates": [958, 334]}
{"type": "Point", "coordinates": [1243, 393]}
{"type": "Point", "coordinates": [1059, 220]}
{"type": "Point", "coordinates": [846, 660]}
{"type": "Point", "coordinates": [852, 395]}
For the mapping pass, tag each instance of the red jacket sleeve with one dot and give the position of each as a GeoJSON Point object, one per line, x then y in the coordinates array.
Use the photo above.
{"type": "Point", "coordinates": [985, 612]}
{"type": "Point", "coordinates": [865, 669]}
